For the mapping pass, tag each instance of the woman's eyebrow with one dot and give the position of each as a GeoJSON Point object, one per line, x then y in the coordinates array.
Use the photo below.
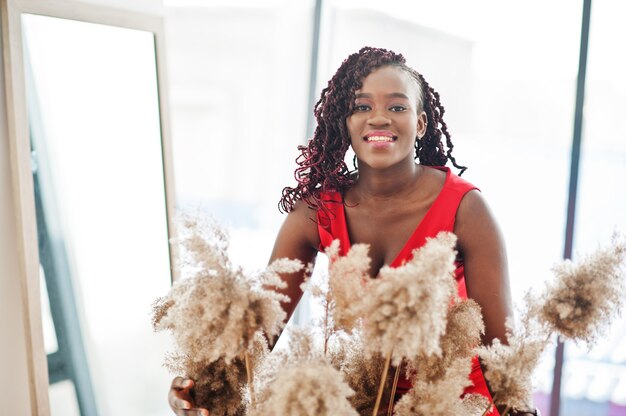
{"type": "Point", "coordinates": [397, 95]}
{"type": "Point", "coordinates": [390, 95]}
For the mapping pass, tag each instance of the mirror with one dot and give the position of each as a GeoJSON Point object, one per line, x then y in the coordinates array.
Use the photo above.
{"type": "Point", "coordinates": [92, 97]}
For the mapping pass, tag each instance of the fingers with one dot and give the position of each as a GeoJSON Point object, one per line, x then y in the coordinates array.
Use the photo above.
{"type": "Point", "coordinates": [187, 408]}
{"type": "Point", "coordinates": [180, 404]}
{"type": "Point", "coordinates": [193, 412]}
{"type": "Point", "coordinates": [180, 383]}
{"type": "Point", "coordinates": [184, 407]}
{"type": "Point", "coordinates": [180, 398]}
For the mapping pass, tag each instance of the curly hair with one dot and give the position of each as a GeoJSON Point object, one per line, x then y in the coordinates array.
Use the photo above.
{"type": "Point", "coordinates": [321, 165]}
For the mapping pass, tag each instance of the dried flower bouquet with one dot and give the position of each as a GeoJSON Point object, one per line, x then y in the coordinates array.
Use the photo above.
{"type": "Point", "coordinates": [215, 313]}
{"type": "Point", "coordinates": [410, 317]}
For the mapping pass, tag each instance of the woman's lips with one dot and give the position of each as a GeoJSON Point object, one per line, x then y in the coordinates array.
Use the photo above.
{"type": "Point", "coordinates": [380, 139]}
{"type": "Point", "coordinates": [379, 136]}
{"type": "Point", "coordinates": [380, 142]}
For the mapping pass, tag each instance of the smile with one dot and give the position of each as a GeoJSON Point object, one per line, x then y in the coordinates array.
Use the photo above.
{"type": "Point", "coordinates": [379, 139]}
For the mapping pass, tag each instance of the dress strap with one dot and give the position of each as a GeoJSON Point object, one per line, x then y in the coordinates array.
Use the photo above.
{"type": "Point", "coordinates": [331, 222]}
{"type": "Point", "coordinates": [442, 216]}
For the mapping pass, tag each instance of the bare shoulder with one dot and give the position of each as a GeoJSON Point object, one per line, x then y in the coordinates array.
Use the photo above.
{"type": "Point", "coordinates": [473, 212]}
{"type": "Point", "coordinates": [302, 209]}
{"type": "Point", "coordinates": [477, 230]}
{"type": "Point", "coordinates": [298, 235]}
{"type": "Point", "coordinates": [306, 217]}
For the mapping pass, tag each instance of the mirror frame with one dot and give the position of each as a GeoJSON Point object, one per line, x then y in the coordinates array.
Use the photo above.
{"type": "Point", "coordinates": [20, 156]}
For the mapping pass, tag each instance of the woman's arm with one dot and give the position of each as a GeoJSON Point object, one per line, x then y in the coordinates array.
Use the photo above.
{"type": "Point", "coordinates": [486, 270]}
{"type": "Point", "coordinates": [481, 244]}
{"type": "Point", "coordinates": [298, 238]}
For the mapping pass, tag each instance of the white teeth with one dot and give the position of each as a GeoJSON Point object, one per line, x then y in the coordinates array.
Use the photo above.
{"type": "Point", "coordinates": [379, 139]}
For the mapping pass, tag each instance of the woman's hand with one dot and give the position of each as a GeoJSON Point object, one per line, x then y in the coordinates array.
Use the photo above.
{"type": "Point", "coordinates": [181, 399]}
{"type": "Point", "coordinates": [515, 412]}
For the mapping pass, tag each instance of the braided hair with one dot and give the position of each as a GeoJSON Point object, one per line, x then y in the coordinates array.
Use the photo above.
{"type": "Point", "coordinates": [321, 165]}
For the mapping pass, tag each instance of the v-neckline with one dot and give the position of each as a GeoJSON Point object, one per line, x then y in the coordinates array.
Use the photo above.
{"type": "Point", "coordinates": [397, 261]}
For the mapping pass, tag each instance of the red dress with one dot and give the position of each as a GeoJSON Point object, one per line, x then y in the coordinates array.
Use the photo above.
{"type": "Point", "coordinates": [439, 217]}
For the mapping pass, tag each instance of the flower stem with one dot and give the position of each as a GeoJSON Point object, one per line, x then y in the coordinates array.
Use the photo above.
{"type": "Point", "coordinates": [506, 411]}
{"type": "Point", "coordinates": [326, 329]}
{"type": "Point", "coordinates": [491, 403]}
{"type": "Point", "coordinates": [393, 390]}
{"type": "Point", "coordinates": [381, 387]}
{"type": "Point", "coordinates": [249, 374]}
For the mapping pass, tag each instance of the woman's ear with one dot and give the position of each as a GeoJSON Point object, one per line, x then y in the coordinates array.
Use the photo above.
{"type": "Point", "coordinates": [422, 124]}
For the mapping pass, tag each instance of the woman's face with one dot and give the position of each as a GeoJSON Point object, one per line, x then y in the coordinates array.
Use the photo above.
{"type": "Point", "coordinates": [385, 121]}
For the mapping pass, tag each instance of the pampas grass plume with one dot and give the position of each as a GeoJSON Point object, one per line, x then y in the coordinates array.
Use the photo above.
{"type": "Point", "coordinates": [577, 306]}
{"type": "Point", "coordinates": [347, 276]}
{"type": "Point", "coordinates": [509, 367]}
{"type": "Point", "coordinates": [464, 327]}
{"type": "Point", "coordinates": [216, 309]}
{"type": "Point", "coordinates": [406, 307]}
{"type": "Point", "coordinates": [216, 313]}
{"type": "Point", "coordinates": [440, 397]}
{"type": "Point", "coordinates": [301, 382]}
{"type": "Point", "coordinates": [309, 388]}
{"type": "Point", "coordinates": [361, 371]}
{"type": "Point", "coordinates": [586, 294]}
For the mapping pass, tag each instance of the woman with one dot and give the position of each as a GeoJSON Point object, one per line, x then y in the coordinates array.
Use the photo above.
{"type": "Point", "coordinates": [390, 117]}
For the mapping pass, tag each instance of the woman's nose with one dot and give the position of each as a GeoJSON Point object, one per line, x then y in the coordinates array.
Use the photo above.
{"type": "Point", "coordinates": [378, 119]}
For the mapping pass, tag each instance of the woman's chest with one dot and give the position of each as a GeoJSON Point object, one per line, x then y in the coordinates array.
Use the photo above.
{"type": "Point", "coordinates": [388, 232]}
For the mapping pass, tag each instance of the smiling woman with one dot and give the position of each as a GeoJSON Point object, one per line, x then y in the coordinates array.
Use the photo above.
{"type": "Point", "coordinates": [390, 116]}
{"type": "Point", "coordinates": [391, 203]}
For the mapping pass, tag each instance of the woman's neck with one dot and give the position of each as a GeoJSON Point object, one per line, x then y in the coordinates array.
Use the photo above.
{"type": "Point", "coordinates": [386, 183]}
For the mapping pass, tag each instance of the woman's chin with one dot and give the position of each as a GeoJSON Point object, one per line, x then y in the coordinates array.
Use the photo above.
{"type": "Point", "coordinates": [384, 163]}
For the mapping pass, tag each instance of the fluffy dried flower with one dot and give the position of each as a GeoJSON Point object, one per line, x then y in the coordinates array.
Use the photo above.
{"type": "Point", "coordinates": [301, 348]}
{"type": "Point", "coordinates": [308, 388]}
{"type": "Point", "coordinates": [586, 294]}
{"type": "Point", "coordinates": [440, 397]}
{"type": "Point", "coordinates": [509, 368]}
{"type": "Point", "coordinates": [406, 307]}
{"type": "Point", "coordinates": [216, 309]}
{"type": "Point", "coordinates": [347, 276]}
{"type": "Point", "coordinates": [464, 327]}
{"type": "Point", "coordinates": [577, 306]}
{"type": "Point", "coordinates": [362, 372]}
{"type": "Point", "coordinates": [301, 382]}
{"type": "Point", "coordinates": [320, 292]}
{"type": "Point", "coordinates": [474, 404]}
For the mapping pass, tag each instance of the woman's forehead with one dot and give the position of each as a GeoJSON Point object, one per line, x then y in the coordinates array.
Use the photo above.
{"type": "Point", "coordinates": [388, 80]}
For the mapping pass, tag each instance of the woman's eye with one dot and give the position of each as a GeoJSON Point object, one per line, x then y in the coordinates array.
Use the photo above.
{"type": "Point", "coordinates": [398, 108]}
{"type": "Point", "coordinates": [361, 107]}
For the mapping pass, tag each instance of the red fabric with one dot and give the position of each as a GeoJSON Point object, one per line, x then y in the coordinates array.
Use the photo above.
{"type": "Point", "coordinates": [440, 217]}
